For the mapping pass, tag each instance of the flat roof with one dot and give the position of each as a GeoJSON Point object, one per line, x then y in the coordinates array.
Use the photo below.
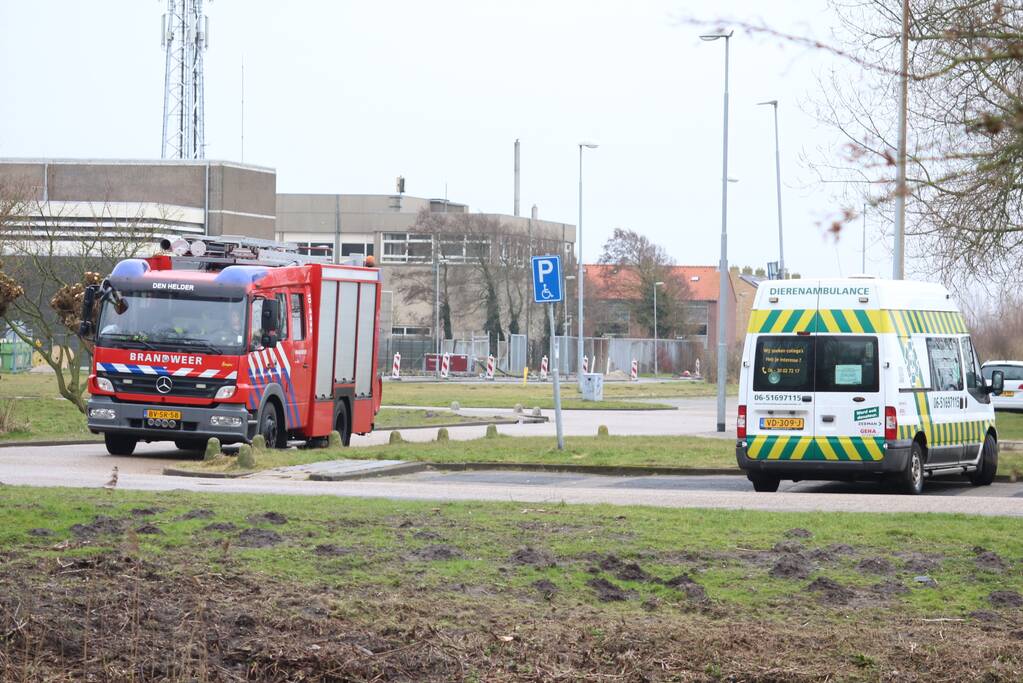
{"type": "Point", "coordinates": [137, 162]}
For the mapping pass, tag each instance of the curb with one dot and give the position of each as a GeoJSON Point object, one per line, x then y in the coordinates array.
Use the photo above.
{"type": "Point", "coordinates": [621, 470]}
{"type": "Point", "coordinates": [173, 472]}
{"type": "Point", "coordinates": [530, 420]}
{"type": "Point", "coordinates": [32, 444]}
{"type": "Point", "coordinates": [390, 471]}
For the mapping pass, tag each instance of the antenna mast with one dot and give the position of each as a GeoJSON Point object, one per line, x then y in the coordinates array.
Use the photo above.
{"type": "Point", "coordinates": [185, 39]}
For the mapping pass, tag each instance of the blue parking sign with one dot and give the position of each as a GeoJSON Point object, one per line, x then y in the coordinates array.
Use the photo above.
{"type": "Point", "coordinates": [547, 279]}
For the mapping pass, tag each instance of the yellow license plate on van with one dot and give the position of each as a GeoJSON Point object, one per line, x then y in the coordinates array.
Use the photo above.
{"type": "Point", "coordinates": [792, 423]}
{"type": "Point", "coordinates": [163, 414]}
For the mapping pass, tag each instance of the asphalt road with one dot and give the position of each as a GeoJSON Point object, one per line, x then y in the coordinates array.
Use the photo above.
{"type": "Point", "coordinates": [90, 466]}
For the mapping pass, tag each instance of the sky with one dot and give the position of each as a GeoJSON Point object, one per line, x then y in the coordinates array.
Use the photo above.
{"type": "Point", "coordinates": [343, 96]}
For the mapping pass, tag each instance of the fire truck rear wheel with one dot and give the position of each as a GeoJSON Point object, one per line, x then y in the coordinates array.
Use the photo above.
{"type": "Point", "coordinates": [120, 444]}
{"type": "Point", "coordinates": [270, 426]}
{"type": "Point", "coordinates": [343, 424]}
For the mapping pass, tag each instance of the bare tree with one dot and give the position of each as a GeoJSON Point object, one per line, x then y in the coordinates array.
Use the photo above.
{"type": "Point", "coordinates": [46, 266]}
{"type": "Point", "coordinates": [637, 265]}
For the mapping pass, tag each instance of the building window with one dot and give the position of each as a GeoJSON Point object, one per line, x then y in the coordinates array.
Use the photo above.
{"type": "Point", "coordinates": [316, 248]}
{"type": "Point", "coordinates": [696, 317]}
{"type": "Point", "coordinates": [402, 247]}
{"type": "Point", "coordinates": [410, 331]}
{"type": "Point", "coordinates": [349, 248]}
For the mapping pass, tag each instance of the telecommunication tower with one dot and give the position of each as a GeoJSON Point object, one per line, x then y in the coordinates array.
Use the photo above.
{"type": "Point", "coordinates": [185, 38]}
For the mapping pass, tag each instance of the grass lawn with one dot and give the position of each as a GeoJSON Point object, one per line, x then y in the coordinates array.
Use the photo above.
{"type": "Point", "coordinates": [187, 586]}
{"type": "Point", "coordinates": [1009, 425]}
{"type": "Point", "coordinates": [40, 413]}
{"type": "Point", "coordinates": [506, 394]}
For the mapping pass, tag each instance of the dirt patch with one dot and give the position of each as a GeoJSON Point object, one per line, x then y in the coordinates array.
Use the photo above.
{"type": "Point", "coordinates": [889, 588]}
{"type": "Point", "coordinates": [985, 616]}
{"type": "Point", "coordinates": [40, 532]}
{"type": "Point", "coordinates": [792, 566]}
{"type": "Point", "coordinates": [529, 556]}
{"type": "Point", "coordinates": [920, 564]}
{"type": "Point", "coordinates": [144, 512]}
{"type": "Point", "coordinates": [830, 592]}
{"type": "Point", "coordinates": [875, 565]}
{"type": "Point", "coordinates": [1005, 599]}
{"type": "Point", "coordinates": [437, 552]}
{"type": "Point", "coordinates": [220, 526]}
{"type": "Point", "coordinates": [631, 572]}
{"type": "Point", "coordinates": [607, 591]}
{"type": "Point", "coordinates": [268, 518]}
{"type": "Point", "coordinates": [990, 561]}
{"type": "Point", "coordinates": [101, 525]}
{"type": "Point", "coordinates": [198, 513]}
{"type": "Point", "coordinates": [693, 590]}
{"type": "Point", "coordinates": [798, 532]}
{"type": "Point", "coordinates": [149, 530]}
{"type": "Point", "coordinates": [611, 563]}
{"type": "Point", "coordinates": [331, 550]}
{"type": "Point", "coordinates": [258, 538]}
{"type": "Point", "coordinates": [426, 536]}
{"type": "Point", "coordinates": [546, 588]}
{"type": "Point", "coordinates": [789, 547]}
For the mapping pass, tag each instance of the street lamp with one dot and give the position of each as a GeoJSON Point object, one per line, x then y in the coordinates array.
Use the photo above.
{"type": "Point", "coordinates": [436, 309]}
{"type": "Point", "coordinates": [777, 176]}
{"type": "Point", "coordinates": [656, 285]}
{"type": "Point", "coordinates": [579, 240]}
{"type": "Point", "coordinates": [723, 267]}
{"type": "Point", "coordinates": [568, 316]}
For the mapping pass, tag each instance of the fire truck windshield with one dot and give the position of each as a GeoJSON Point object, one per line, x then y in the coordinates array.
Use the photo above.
{"type": "Point", "coordinates": [172, 320]}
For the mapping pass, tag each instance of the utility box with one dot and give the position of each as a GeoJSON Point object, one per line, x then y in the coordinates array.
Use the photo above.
{"type": "Point", "coordinates": [592, 386]}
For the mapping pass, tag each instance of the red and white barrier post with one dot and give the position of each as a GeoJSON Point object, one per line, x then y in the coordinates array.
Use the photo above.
{"type": "Point", "coordinates": [634, 374]}
{"type": "Point", "coordinates": [586, 364]}
{"type": "Point", "coordinates": [490, 367]}
{"type": "Point", "coordinates": [543, 369]}
{"type": "Point", "coordinates": [445, 365]}
{"type": "Point", "coordinates": [396, 367]}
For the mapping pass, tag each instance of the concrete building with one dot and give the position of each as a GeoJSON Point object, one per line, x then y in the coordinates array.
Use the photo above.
{"type": "Point", "coordinates": [384, 226]}
{"type": "Point", "coordinates": [165, 196]}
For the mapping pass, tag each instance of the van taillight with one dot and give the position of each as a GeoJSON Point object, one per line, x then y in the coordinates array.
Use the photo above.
{"type": "Point", "coordinates": [891, 424]}
{"type": "Point", "coordinates": [740, 423]}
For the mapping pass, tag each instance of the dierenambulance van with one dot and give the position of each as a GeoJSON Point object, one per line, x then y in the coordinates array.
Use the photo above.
{"type": "Point", "coordinates": [862, 378]}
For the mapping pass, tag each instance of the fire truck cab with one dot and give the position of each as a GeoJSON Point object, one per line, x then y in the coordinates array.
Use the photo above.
{"type": "Point", "coordinates": [230, 337]}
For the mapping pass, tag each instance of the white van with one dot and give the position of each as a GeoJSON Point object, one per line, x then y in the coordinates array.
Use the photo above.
{"type": "Point", "coordinates": [862, 378]}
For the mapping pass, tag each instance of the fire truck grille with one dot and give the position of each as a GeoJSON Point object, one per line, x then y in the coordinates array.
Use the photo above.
{"type": "Point", "coordinates": [192, 387]}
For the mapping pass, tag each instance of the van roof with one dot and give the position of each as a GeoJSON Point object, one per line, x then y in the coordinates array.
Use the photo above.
{"type": "Point", "coordinates": [880, 293]}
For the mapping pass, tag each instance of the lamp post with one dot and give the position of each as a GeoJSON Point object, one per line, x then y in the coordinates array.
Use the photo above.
{"type": "Point", "coordinates": [579, 283]}
{"type": "Point", "coordinates": [723, 266]}
{"type": "Point", "coordinates": [568, 312]}
{"type": "Point", "coordinates": [777, 177]}
{"type": "Point", "coordinates": [656, 285]}
{"type": "Point", "coordinates": [436, 310]}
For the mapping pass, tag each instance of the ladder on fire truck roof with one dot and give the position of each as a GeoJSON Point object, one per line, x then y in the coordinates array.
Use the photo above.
{"type": "Point", "coordinates": [240, 249]}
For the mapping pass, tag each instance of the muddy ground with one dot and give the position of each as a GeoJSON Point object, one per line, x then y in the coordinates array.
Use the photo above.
{"type": "Point", "coordinates": [98, 601]}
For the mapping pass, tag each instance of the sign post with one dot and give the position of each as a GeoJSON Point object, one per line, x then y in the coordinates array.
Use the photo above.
{"type": "Point", "coordinates": [547, 289]}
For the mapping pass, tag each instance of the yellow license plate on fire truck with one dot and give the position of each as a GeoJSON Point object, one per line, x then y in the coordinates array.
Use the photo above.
{"type": "Point", "coordinates": [781, 423]}
{"type": "Point", "coordinates": [163, 414]}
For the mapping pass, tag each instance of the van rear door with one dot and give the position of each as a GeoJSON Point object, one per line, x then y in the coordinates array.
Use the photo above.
{"type": "Point", "coordinates": [850, 397]}
{"type": "Point", "coordinates": [780, 413]}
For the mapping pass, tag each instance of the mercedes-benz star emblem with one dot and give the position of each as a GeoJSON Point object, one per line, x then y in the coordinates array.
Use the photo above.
{"type": "Point", "coordinates": [164, 385]}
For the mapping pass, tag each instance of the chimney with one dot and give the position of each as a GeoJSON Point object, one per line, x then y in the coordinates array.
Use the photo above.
{"type": "Point", "coordinates": [536, 212]}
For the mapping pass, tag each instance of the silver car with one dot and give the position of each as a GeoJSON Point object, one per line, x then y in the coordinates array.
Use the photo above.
{"type": "Point", "coordinates": [1011, 397]}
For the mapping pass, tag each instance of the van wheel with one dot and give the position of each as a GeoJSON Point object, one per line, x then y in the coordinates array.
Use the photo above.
{"type": "Point", "coordinates": [985, 474]}
{"type": "Point", "coordinates": [764, 484]}
{"type": "Point", "coordinates": [911, 479]}
{"type": "Point", "coordinates": [119, 444]}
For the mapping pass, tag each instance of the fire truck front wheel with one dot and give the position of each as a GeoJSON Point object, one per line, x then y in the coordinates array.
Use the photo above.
{"type": "Point", "coordinates": [270, 426]}
{"type": "Point", "coordinates": [120, 444]}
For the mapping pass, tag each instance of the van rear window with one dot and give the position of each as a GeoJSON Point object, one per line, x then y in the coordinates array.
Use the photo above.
{"type": "Point", "coordinates": [784, 363]}
{"type": "Point", "coordinates": [821, 363]}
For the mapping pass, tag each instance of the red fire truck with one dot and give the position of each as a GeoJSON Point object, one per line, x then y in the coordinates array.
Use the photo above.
{"type": "Point", "coordinates": [230, 337]}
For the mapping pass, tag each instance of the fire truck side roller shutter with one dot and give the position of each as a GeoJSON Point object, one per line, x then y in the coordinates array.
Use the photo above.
{"type": "Point", "coordinates": [367, 321]}
{"type": "Point", "coordinates": [344, 361]}
{"type": "Point", "coordinates": [325, 340]}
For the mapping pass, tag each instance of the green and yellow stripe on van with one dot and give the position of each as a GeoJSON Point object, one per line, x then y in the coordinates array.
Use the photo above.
{"type": "Point", "coordinates": [855, 321]}
{"type": "Point", "coordinates": [837, 448]}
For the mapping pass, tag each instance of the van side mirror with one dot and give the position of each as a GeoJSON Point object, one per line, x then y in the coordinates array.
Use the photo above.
{"type": "Point", "coordinates": [268, 323]}
{"type": "Point", "coordinates": [86, 328]}
{"type": "Point", "coordinates": [997, 383]}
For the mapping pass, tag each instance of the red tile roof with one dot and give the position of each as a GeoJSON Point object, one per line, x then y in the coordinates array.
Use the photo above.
{"type": "Point", "coordinates": [702, 281]}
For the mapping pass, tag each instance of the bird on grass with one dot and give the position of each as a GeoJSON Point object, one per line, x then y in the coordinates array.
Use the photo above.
{"type": "Point", "coordinates": [112, 484]}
